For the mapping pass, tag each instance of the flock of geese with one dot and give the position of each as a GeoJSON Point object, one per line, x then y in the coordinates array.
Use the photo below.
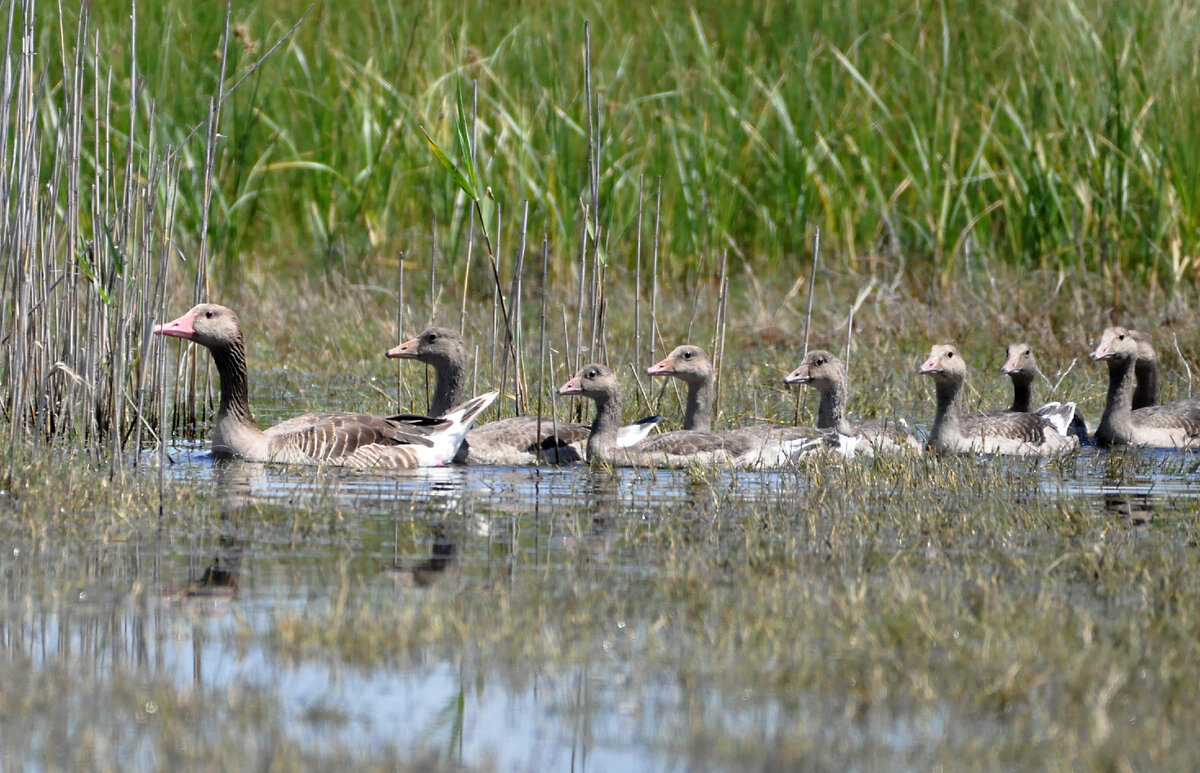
{"type": "Point", "coordinates": [1131, 413]}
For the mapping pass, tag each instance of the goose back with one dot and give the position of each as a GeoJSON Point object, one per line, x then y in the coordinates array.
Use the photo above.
{"type": "Point", "coordinates": [1020, 365]}
{"type": "Point", "coordinates": [757, 444]}
{"type": "Point", "coordinates": [681, 448]}
{"type": "Point", "coordinates": [333, 438]}
{"type": "Point", "coordinates": [826, 373]}
{"type": "Point", "coordinates": [1173, 425]}
{"type": "Point", "coordinates": [518, 440]}
{"type": "Point", "coordinates": [992, 432]}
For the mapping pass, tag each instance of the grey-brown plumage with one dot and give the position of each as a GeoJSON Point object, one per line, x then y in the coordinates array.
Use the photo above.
{"type": "Point", "coordinates": [517, 440]}
{"type": "Point", "coordinates": [333, 438]}
{"type": "Point", "coordinates": [995, 432]}
{"type": "Point", "coordinates": [826, 373]}
{"type": "Point", "coordinates": [1145, 372]}
{"type": "Point", "coordinates": [1021, 367]}
{"type": "Point", "coordinates": [690, 364]}
{"type": "Point", "coordinates": [1174, 425]}
{"type": "Point", "coordinates": [680, 448]}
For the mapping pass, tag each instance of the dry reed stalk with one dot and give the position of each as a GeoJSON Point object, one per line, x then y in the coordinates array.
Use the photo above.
{"type": "Point", "coordinates": [542, 340]}
{"type": "Point", "coordinates": [400, 328]}
{"type": "Point", "coordinates": [499, 312]}
{"type": "Point", "coordinates": [812, 283]}
{"type": "Point", "coordinates": [654, 274]}
{"type": "Point", "coordinates": [462, 316]}
{"type": "Point", "coordinates": [637, 273]}
{"type": "Point", "coordinates": [719, 333]}
{"type": "Point", "coordinates": [583, 272]}
{"type": "Point", "coordinates": [514, 320]}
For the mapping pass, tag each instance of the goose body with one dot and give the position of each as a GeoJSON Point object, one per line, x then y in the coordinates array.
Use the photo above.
{"type": "Point", "coordinates": [1174, 425]}
{"type": "Point", "coordinates": [334, 438]}
{"type": "Point", "coordinates": [691, 365]}
{"type": "Point", "coordinates": [827, 375]}
{"type": "Point", "coordinates": [682, 448]}
{"type": "Point", "coordinates": [1021, 367]}
{"type": "Point", "coordinates": [991, 432]}
{"type": "Point", "coordinates": [1145, 372]}
{"type": "Point", "coordinates": [518, 440]}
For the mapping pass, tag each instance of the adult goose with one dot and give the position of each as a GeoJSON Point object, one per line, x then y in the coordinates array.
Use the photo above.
{"type": "Point", "coordinates": [340, 439]}
{"type": "Point", "coordinates": [1145, 372]}
{"type": "Point", "coordinates": [1174, 425]}
{"type": "Point", "coordinates": [1021, 366]}
{"type": "Point", "coordinates": [826, 373]}
{"type": "Point", "coordinates": [517, 440]}
{"type": "Point", "coordinates": [681, 448]}
{"type": "Point", "coordinates": [691, 365]}
{"type": "Point", "coordinates": [992, 432]}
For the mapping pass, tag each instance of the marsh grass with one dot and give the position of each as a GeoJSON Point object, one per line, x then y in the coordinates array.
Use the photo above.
{"type": "Point", "coordinates": [910, 611]}
{"type": "Point", "coordinates": [1034, 625]}
{"type": "Point", "coordinates": [1048, 137]}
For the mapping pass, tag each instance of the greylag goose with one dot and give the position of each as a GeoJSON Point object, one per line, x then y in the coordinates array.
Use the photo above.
{"type": "Point", "coordinates": [690, 364]}
{"type": "Point", "coordinates": [992, 432]}
{"type": "Point", "coordinates": [1174, 425]}
{"type": "Point", "coordinates": [827, 375]}
{"type": "Point", "coordinates": [339, 439]}
{"type": "Point", "coordinates": [681, 448]}
{"type": "Point", "coordinates": [1021, 366]}
{"type": "Point", "coordinates": [517, 440]}
{"type": "Point", "coordinates": [1145, 372]}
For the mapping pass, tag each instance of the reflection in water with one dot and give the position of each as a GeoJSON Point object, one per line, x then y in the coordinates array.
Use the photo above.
{"type": "Point", "coordinates": [1133, 508]}
{"type": "Point", "coordinates": [421, 573]}
{"type": "Point", "coordinates": [292, 538]}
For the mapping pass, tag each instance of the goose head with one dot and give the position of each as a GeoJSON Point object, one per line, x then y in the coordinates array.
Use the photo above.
{"type": "Point", "coordinates": [593, 381]}
{"type": "Point", "coordinates": [819, 368]}
{"type": "Point", "coordinates": [944, 365]}
{"type": "Point", "coordinates": [434, 346]}
{"type": "Point", "coordinates": [688, 363]}
{"type": "Point", "coordinates": [1116, 344]}
{"type": "Point", "coordinates": [1020, 365]}
{"type": "Point", "coordinates": [208, 324]}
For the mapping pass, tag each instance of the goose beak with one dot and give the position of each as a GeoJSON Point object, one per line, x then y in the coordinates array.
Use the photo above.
{"type": "Point", "coordinates": [663, 368]}
{"type": "Point", "coordinates": [184, 327]}
{"type": "Point", "coordinates": [572, 387]}
{"type": "Point", "coordinates": [798, 376]}
{"type": "Point", "coordinates": [405, 351]}
{"type": "Point", "coordinates": [1103, 352]}
{"type": "Point", "coordinates": [1012, 366]}
{"type": "Point", "coordinates": [932, 366]}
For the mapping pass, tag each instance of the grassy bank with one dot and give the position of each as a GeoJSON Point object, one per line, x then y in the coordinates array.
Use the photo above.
{"type": "Point", "coordinates": [1052, 135]}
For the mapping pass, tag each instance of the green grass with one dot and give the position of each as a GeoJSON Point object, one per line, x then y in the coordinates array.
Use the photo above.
{"type": "Point", "coordinates": [1055, 135]}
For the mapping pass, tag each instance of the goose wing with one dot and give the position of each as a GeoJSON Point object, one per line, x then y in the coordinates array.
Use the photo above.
{"type": "Point", "coordinates": [1023, 427]}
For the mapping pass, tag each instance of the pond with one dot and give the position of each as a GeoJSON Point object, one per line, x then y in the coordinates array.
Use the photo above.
{"type": "Point", "coordinates": [862, 614]}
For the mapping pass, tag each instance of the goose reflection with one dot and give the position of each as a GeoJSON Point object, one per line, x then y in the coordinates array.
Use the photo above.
{"type": "Point", "coordinates": [1133, 509]}
{"type": "Point", "coordinates": [441, 563]}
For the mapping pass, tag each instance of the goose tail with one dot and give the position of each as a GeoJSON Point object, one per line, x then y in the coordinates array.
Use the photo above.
{"type": "Point", "coordinates": [1060, 416]}
{"type": "Point", "coordinates": [458, 424]}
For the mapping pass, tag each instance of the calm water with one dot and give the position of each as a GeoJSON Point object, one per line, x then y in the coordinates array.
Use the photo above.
{"type": "Point", "coordinates": [283, 539]}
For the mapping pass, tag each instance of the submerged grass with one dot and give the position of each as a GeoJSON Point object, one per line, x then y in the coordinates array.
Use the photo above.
{"type": "Point", "coordinates": [950, 617]}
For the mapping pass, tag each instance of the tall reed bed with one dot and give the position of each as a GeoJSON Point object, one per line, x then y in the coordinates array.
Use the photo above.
{"type": "Point", "coordinates": [91, 188]}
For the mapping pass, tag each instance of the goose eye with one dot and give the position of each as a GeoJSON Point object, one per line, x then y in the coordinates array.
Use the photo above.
{"type": "Point", "coordinates": [431, 337]}
{"type": "Point", "coordinates": [687, 355]}
{"type": "Point", "coordinates": [1121, 337]}
{"type": "Point", "coordinates": [208, 314]}
{"type": "Point", "coordinates": [949, 355]}
{"type": "Point", "coordinates": [1028, 352]}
